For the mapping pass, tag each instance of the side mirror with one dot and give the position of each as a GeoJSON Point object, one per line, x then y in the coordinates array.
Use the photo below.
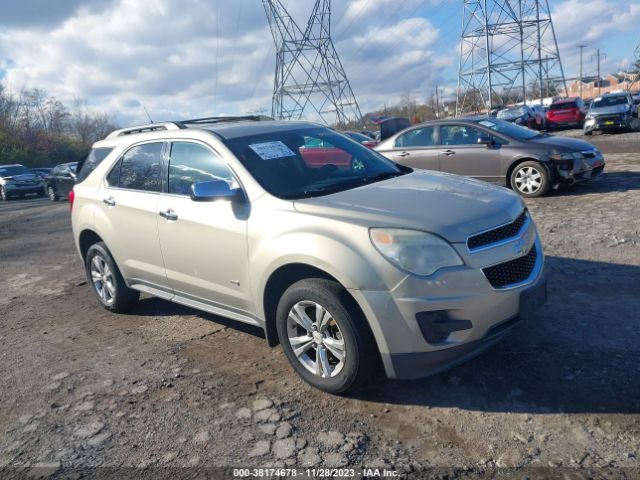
{"type": "Point", "coordinates": [487, 141]}
{"type": "Point", "coordinates": [213, 190]}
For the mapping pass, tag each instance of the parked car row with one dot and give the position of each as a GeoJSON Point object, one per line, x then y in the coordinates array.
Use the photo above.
{"type": "Point", "coordinates": [609, 112]}
{"type": "Point", "coordinates": [17, 181]}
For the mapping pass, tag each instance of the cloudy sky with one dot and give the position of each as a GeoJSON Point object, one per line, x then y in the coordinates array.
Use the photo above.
{"type": "Point", "coordinates": [189, 58]}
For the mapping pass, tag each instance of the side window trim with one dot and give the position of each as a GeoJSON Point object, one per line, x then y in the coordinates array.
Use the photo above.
{"type": "Point", "coordinates": [118, 164]}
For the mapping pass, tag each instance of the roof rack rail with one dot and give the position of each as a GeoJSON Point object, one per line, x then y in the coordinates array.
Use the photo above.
{"type": "Point", "coordinates": [151, 127]}
{"type": "Point", "coordinates": [203, 120]}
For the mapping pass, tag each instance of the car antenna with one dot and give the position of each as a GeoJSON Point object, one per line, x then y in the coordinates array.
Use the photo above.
{"type": "Point", "coordinates": [145, 111]}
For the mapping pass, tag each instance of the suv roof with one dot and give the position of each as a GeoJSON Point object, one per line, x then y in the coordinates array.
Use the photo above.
{"type": "Point", "coordinates": [225, 127]}
{"type": "Point", "coordinates": [566, 100]}
{"type": "Point", "coordinates": [615, 94]}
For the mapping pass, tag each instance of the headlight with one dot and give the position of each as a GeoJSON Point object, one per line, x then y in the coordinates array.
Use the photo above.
{"type": "Point", "coordinates": [417, 252]}
{"type": "Point", "coordinates": [566, 156]}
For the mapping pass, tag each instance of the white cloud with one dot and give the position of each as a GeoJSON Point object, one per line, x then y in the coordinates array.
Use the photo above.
{"type": "Point", "coordinates": [593, 23]}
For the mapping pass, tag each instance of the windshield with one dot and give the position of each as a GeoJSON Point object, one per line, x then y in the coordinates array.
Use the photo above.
{"type": "Point", "coordinates": [609, 102]}
{"type": "Point", "coordinates": [508, 129]}
{"type": "Point", "coordinates": [511, 112]}
{"type": "Point", "coordinates": [309, 161]}
{"type": "Point", "coordinates": [14, 170]}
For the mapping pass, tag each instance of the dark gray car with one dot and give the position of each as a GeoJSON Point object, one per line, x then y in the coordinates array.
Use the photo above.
{"type": "Point", "coordinates": [495, 151]}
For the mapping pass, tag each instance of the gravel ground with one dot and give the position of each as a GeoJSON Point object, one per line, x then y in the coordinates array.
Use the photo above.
{"type": "Point", "coordinates": [166, 386]}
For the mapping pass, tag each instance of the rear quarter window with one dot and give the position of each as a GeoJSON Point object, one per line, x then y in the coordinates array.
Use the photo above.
{"type": "Point", "coordinates": [91, 162]}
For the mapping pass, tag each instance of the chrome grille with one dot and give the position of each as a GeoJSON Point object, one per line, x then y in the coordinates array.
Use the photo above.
{"type": "Point", "coordinates": [497, 234]}
{"type": "Point", "coordinates": [512, 272]}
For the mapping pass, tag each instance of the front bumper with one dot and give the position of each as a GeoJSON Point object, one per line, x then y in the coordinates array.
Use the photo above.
{"type": "Point", "coordinates": [14, 189]}
{"type": "Point", "coordinates": [575, 171]}
{"type": "Point", "coordinates": [604, 123]}
{"type": "Point", "coordinates": [463, 297]}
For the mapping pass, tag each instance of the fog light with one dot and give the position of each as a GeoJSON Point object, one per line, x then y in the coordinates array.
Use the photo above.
{"type": "Point", "coordinates": [436, 326]}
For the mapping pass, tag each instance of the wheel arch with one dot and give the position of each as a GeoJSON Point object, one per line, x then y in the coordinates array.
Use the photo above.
{"type": "Point", "coordinates": [87, 238]}
{"type": "Point", "coordinates": [281, 279]}
{"type": "Point", "coordinates": [520, 160]}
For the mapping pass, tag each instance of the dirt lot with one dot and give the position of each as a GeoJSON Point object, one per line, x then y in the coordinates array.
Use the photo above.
{"type": "Point", "coordinates": [166, 386]}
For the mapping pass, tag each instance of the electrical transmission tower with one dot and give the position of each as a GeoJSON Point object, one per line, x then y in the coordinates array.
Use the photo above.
{"type": "Point", "coordinates": [508, 54]}
{"type": "Point", "coordinates": [309, 74]}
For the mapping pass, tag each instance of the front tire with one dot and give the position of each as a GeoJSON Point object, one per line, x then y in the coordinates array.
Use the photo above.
{"type": "Point", "coordinates": [51, 193]}
{"type": "Point", "coordinates": [324, 336]}
{"type": "Point", "coordinates": [530, 179]}
{"type": "Point", "coordinates": [106, 280]}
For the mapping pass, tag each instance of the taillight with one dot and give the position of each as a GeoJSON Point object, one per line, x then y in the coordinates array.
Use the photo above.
{"type": "Point", "coordinates": [72, 197]}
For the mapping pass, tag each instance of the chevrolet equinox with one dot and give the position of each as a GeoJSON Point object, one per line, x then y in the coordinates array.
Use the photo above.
{"type": "Point", "coordinates": [346, 259]}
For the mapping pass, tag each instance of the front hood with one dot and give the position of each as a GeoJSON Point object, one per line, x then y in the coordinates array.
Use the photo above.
{"type": "Point", "coordinates": [451, 206]}
{"type": "Point", "coordinates": [612, 110]}
{"type": "Point", "coordinates": [510, 117]}
{"type": "Point", "coordinates": [25, 177]}
{"type": "Point", "coordinates": [562, 143]}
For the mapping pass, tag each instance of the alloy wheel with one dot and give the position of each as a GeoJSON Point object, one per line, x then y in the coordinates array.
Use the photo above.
{"type": "Point", "coordinates": [51, 193]}
{"type": "Point", "coordinates": [316, 339]}
{"type": "Point", "coordinates": [528, 180]}
{"type": "Point", "coordinates": [103, 280]}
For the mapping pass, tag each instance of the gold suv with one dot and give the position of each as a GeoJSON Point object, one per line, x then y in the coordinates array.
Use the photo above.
{"type": "Point", "coordinates": [345, 258]}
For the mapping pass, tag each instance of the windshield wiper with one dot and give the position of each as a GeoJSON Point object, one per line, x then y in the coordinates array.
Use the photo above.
{"type": "Point", "coordinates": [381, 176]}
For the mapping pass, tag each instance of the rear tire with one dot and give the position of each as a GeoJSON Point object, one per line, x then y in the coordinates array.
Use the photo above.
{"type": "Point", "coordinates": [530, 179]}
{"type": "Point", "coordinates": [106, 280]}
{"type": "Point", "coordinates": [334, 348]}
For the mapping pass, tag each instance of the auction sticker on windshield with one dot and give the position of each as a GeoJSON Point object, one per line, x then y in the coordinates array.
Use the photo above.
{"type": "Point", "coordinates": [270, 150]}
{"type": "Point", "coordinates": [487, 123]}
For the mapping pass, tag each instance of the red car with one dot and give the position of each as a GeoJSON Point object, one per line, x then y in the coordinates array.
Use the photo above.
{"type": "Point", "coordinates": [362, 138]}
{"type": "Point", "coordinates": [318, 153]}
{"type": "Point", "coordinates": [566, 112]}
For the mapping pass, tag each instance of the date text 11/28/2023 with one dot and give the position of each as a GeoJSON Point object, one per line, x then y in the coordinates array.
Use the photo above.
{"type": "Point", "coordinates": [314, 473]}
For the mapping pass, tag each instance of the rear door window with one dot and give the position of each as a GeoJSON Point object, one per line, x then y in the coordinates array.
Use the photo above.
{"type": "Point", "coordinates": [139, 168]}
{"type": "Point", "coordinates": [89, 164]}
{"type": "Point", "coordinates": [418, 137]}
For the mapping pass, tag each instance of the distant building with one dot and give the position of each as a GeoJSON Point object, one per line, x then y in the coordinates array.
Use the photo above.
{"type": "Point", "coordinates": [610, 83]}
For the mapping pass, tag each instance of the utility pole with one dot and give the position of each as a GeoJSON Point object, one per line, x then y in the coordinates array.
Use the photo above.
{"type": "Point", "coordinates": [598, 56]}
{"type": "Point", "coordinates": [581, 47]}
{"type": "Point", "coordinates": [437, 103]}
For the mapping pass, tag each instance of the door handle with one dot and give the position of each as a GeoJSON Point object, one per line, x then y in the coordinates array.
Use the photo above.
{"type": "Point", "coordinates": [403, 154]}
{"type": "Point", "coordinates": [109, 201]}
{"type": "Point", "coordinates": [169, 215]}
{"type": "Point", "coordinates": [448, 153]}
